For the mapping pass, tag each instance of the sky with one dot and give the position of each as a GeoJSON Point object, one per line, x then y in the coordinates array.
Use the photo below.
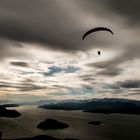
{"type": "Point", "coordinates": [43, 56]}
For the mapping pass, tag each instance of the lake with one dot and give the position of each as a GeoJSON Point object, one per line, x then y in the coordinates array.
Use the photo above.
{"type": "Point", "coordinates": [113, 127]}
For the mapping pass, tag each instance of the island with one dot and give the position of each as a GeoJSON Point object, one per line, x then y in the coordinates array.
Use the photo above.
{"type": "Point", "coordinates": [95, 122]}
{"type": "Point", "coordinates": [52, 124]}
{"type": "Point", "coordinates": [8, 113]}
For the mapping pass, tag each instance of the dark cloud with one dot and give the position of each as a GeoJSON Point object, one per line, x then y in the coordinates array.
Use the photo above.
{"type": "Point", "coordinates": [107, 68]}
{"type": "Point", "coordinates": [113, 87]}
{"type": "Point", "coordinates": [123, 88]}
{"type": "Point", "coordinates": [87, 87]}
{"type": "Point", "coordinates": [128, 9]}
{"type": "Point", "coordinates": [4, 86]}
{"type": "Point", "coordinates": [130, 84]}
{"type": "Point", "coordinates": [21, 64]}
{"type": "Point", "coordinates": [38, 21]}
{"type": "Point", "coordinates": [8, 84]}
{"type": "Point", "coordinates": [31, 87]}
{"type": "Point", "coordinates": [110, 71]}
{"type": "Point", "coordinates": [49, 22]}
{"type": "Point", "coordinates": [88, 78]}
{"type": "Point", "coordinates": [26, 85]}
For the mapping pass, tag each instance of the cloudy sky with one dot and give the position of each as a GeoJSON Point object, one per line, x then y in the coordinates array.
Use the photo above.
{"type": "Point", "coordinates": [43, 56]}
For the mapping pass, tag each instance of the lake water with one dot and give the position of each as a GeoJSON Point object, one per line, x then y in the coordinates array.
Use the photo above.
{"type": "Point", "coordinates": [113, 127]}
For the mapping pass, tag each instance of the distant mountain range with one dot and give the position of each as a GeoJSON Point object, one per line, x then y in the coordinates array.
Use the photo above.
{"type": "Point", "coordinates": [107, 106]}
{"type": "Point", "coordinates": [10, 105]}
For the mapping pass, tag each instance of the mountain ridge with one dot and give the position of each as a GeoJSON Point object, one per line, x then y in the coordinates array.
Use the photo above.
{"type": "Point", "coordinates": [106, 105]}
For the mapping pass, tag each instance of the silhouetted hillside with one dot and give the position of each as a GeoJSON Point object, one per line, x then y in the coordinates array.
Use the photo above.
{"type": "Point", "coordinates": [99, 106]}
{"type": "Point", "coordinates": [11, 105]}
{"type": "Point", "coordinates": [8, 113]}
{"type": "Point", "coordinates": [39, 137]}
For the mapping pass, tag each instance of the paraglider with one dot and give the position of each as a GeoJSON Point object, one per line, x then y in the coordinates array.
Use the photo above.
{"type": "Point", "coordinates": [96, 30]}
{"type": "Point", "coordinates": [99, 53]}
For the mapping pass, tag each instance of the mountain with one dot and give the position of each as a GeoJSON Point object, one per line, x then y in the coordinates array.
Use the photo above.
{"type": "Point", "coordinates": [106, 106]}
{"type": "Point", "coordinates": [40, 102]}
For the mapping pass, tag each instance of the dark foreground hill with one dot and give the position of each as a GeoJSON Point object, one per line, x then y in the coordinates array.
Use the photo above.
{"type": "Point", "coordinates": [8, 113]}
{"type": "Point", "coordinates": [106, 106]}
{"type": "Point", "coordinates": [39, 137]}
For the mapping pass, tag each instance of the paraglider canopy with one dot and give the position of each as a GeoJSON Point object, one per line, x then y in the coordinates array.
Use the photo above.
{"type": "Point", "coordinates": [96, 30]}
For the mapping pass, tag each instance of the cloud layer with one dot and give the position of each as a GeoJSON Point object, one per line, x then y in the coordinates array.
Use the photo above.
{"type": "Point", "coordinates": [43, 55]}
